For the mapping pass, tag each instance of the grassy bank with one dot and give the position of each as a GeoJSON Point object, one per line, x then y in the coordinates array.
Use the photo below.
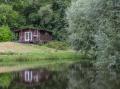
{"type": "Point", "coordinates": [16, 56]}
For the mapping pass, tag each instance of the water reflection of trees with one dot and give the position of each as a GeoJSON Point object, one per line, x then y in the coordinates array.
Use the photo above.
{"type": "Point", "coordinates": [92, 78]}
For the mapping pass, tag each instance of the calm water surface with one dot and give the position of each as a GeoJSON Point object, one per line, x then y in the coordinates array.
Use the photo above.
{"type": "Point", "coordinates": [77, 76]}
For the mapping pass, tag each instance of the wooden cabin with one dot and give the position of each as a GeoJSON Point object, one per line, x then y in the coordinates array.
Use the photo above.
{"type": "Point", "coordinates": [31, 35]}
{"type": "Point", "coordinates": [34, 77]}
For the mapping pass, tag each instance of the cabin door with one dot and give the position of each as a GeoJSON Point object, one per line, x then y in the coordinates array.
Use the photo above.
{"type": "Point", "coordinates": [28, 36]}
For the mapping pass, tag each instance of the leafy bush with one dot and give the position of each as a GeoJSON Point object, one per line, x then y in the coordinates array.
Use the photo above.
{"type": "Point", "coordinates": [5, 34]}
{"type": "Point", "coordinates": [57, 45]}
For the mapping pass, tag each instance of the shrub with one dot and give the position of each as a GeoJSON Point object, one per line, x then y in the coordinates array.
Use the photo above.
{"type": "Point", "coordinates": [5, 34]}
{"type": "Point", "coordinates": [57, 45]}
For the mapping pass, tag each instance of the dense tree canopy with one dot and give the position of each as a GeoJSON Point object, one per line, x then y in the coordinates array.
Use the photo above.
{"type": "Point", "coordinates": [8, 15]}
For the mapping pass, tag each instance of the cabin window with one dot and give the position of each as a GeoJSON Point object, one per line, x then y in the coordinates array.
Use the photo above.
{"type": "Point", "coordinates": [28, 36]}
{"type": "Point", "coordinates": [28, 75]}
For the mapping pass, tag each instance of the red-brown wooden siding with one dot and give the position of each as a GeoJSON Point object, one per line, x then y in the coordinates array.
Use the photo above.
{"type": "Point", "coordinates": [38, 36]}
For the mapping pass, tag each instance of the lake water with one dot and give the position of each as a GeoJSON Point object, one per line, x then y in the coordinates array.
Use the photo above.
{"type": "Point", "coordinates": [76, 76]}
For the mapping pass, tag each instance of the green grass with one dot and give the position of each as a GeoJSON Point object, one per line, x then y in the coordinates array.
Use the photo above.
{"type": "Point", "coordinates": [15, 56]}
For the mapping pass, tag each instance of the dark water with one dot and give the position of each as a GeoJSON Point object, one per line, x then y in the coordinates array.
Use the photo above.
{"type": "Point", "coordinates": [77, 76]}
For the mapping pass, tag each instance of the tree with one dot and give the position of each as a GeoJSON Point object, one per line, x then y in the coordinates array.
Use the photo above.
{"type": "Point", "coordinates": [108, 32]}
{"type": "Point", "coordinates": [81, 27]}
{"type": "Point", "coordinates": [59, 23]}
{"type": "Point", "coordinates": [46, 15]}
{"type": "Point", "coordinates": [8, 16]}
{"type": "Point", "coordinates": [94, 24]}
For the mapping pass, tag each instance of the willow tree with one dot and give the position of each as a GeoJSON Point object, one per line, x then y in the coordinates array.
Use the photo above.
{"type": "Point", "coordinates": [107, 36]}
{"type": "Point", "coordinates": [81, 25]}
{"type": "Point", "coordinates": [94, 24]}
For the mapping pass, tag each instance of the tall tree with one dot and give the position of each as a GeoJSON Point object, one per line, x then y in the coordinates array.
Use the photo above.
{"type": "Point", "coordinates": [8, 16]}
{"type": "Point", "coordinates": [81, 26]}
{"type": "Point", "coordinates": [108, 31]}
{"type": "Point", "coordinates": [94, 24]}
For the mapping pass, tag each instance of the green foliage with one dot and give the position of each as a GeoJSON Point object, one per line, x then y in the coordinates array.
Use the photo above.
{"type": "Point", "coordinates": [5, 34]}
{"type": "Point", "coordinates": [108, 31]}
{"type": "Point", "coordinates": [58, 45]}
{"type": "Point", "coordinates": [81, 28]}
{"type": "Point", "coordinates": [8, 16]}
{"type": "Point", "coordinates": [59, 23]}
{"type": "Point", "coordinates": [94, 28]}
{"type": "Point", "coordinates": [45, 14]}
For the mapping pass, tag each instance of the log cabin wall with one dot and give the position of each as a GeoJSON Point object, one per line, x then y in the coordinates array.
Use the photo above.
{"type": "Point", "coordinates": [45, 37]}
{"type": "Point", "coordinates": [38, 36]}
{"type": "Point", "coordinates": [42, 37]}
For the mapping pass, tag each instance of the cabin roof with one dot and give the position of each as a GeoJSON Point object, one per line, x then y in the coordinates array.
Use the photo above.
{"type": "Point", "coordinates": [21, 29]}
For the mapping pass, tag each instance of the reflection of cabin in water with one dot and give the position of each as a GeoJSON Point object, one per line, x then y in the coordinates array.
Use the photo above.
{"type": "Point", "coordinates": [34, 77]}
{"type": "Point", "coordinates": [31, 35]}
